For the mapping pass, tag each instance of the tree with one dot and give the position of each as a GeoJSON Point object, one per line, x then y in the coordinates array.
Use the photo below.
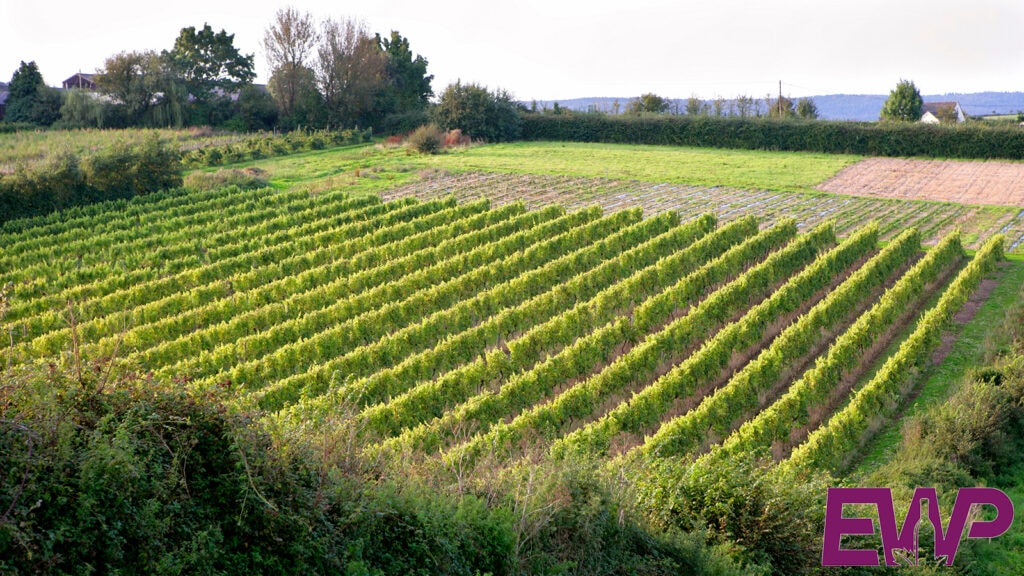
{"type": "Point", "coordinates": [81, 110]}
{"type": "Point", "coordinates": [289, 42]}
{"type": "Point", "coordinates": [781, 107]}
{"type": "Point", "coordinates": [29, 99]}
{"type": "Point", "coordinates": [946, 114]}
{"type": "Point", "coordinates": [209, 65]}
{"type": "Point", "coordinates": [478, 112]}
{"type": "Point", "coordinates": [350, 71]}
{"type": "Point", "coordinates": [648, 103]}
{"type": "Point", "coordinates": [746, 106]}
{"type": "Point", "coordinates": [407, 78]}
{"type": "Point", "coordinates": [132, 80]}
{"type": "Point", "coordinates": [256, 109]}
{"type": "Point", "coordinates": [307, 106]}
{"type": "Point", "coordinates": [904, 103]}
{"type": "Point", "coordinates": [695, 106]}
{"type": "Point", "coordinates": [806, 109]}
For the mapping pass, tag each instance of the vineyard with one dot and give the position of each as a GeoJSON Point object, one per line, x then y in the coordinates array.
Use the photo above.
{"type": "Point", "coordinates": [465, 335]}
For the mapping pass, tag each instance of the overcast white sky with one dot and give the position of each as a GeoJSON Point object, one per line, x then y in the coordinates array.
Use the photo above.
{"type": "Point", "coordinates": [547, 49]}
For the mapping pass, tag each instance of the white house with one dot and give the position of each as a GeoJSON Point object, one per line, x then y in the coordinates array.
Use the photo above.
{"type": "Point", "coordinates": [932, 112]}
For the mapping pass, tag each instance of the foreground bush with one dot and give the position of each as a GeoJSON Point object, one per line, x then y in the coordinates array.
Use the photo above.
{"type": "Point", "coordinates": [106, 471]}
{"type": "Point", "coordinates": [123, 477]}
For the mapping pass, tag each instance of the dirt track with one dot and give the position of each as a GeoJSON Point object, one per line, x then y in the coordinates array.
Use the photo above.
{"type": "Point", "coordinates": [993, 183]}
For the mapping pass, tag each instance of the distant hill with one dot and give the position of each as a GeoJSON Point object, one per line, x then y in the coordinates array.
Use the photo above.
{"type": "Point", "coordinates": [863, 107]}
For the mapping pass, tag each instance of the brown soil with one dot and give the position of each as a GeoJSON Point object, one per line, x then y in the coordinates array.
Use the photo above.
{"type": "Point", "coordinates": [998, 183]}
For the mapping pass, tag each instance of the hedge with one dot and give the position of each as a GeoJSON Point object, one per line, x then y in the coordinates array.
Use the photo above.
{"type": "Point", "coordinates": [866, 138]}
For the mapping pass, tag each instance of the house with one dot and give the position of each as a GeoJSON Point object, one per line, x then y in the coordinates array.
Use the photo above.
{"type": "Point", "coordinates": [936, 112]}
{"type": "Point", "coordinates": [83, 81]}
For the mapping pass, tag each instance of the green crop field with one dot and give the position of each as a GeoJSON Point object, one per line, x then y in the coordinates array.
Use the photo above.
{"type": "Point", "coordinates": [504, 306]}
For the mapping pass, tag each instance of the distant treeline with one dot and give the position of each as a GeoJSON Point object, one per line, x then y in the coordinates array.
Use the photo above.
{"type": "Point", "coordinates": [871, 139]}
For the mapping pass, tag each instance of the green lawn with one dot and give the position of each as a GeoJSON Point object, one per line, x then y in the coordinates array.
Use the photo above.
{"type": "Point", "coordinates": [782, 171]}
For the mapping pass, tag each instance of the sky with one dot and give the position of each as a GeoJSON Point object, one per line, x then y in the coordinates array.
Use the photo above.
{"type": "Point", "coordinates": [550, 50]}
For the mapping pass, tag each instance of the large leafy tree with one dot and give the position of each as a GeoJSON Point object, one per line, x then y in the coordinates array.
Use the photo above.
{"type": "Point", "coordinates": [30, 99]}
{"type": "Point", "coordinates": [350, 71]}
{"type": "Point", "coordinates": [289, 43]}
{"type": "Point", "coordinates": [133, 80]}
{"type": "Point", "coordinates": [904, 103]}
{"type": "Point", "coordinates": [408, 81]}
{"type": "Point", "coordinates": [205, 61]}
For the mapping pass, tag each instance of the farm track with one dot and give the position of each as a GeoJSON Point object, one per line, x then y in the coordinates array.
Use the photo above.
{"type": "Point", "coordinates": [935, 219]}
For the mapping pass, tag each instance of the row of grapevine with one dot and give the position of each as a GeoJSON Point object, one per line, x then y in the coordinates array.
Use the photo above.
{"type": "Point", "coordinates": [497, 329]}
{"type": "Point", "coordinates": [830, 446]}
{"type": "Point", "coordinates": [316, 319]}
{"type": "Point", "coordinates": [746, 391]}
{"type": "Point", "coordinates": [315, 296]}
{"type": "Point", "coordinates": [98, 298]}
{"type": "Point", "coordinates": [578, 360]}
{"type": "Point", "coordinates": [647, 274]}
{"type": "Point", "coordinates": [179, 250]}
{"type": "Point", "coordinates": [111, 227]}
{"type": "Point", "coordinates": [152, 301]}
{"type": "Point", "coordinates": [424, 330]}
{"type": "Point", "coordinates": [646, 407]}
{"type": "Point", "coordinates": [812, 391]}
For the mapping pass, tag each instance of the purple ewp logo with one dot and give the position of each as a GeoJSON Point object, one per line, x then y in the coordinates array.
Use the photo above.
{"type": "Point", "coordinates": [904, 540]}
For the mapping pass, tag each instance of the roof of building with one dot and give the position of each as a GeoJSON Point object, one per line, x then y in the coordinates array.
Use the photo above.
{"type": "Point", "coordinates": [935, 107]}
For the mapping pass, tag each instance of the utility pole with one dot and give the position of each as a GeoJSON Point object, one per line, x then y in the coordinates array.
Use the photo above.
{"type": "Point", "coordinates": [780, 98]}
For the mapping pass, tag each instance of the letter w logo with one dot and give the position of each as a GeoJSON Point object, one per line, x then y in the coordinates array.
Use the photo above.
{"type": "Point", "coordinates": [947, 540]}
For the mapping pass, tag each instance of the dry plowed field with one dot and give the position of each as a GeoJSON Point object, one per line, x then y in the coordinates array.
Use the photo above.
{"type": "Point", "coordinates": [993, 183]}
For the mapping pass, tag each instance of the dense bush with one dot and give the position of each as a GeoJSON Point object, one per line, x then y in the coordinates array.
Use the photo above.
{"type": "Point", "coordinates": [479, 113]}
{"type": "Point", "coordinates": [427, 139]}
{"type": "Point", "coordinates": [875, 139]}
{"type": "Point", "coordinates": [120, 171]}
{"type": "Point", "coordinates": [777, 523]}
{"type": "Point", "coordinates": [106, 471]}
{"type": "Point", "coordinates": [246, 179]}
{"type": "Point", "coordinates": [136, 480]}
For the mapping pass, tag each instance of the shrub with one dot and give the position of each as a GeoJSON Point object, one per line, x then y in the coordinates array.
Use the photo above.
{"type": "Point", "coordinates": [427, 139]}
{"type": "Point", "coordinates": [120, 171]}
{"type": "Point", "coordinates": [481, 114]}
{"type": "Point", "coordinates": [246, 179]}
{"type": "Point", "coordinates": [777, 520]}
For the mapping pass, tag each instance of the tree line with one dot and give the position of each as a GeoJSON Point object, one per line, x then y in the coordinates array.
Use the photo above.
{"type": "Point", "coordinates": [329, 74]}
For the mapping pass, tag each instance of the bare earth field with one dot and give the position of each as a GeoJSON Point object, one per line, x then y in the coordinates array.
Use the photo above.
{"type": "Point", "coordinates": [992, 183]}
